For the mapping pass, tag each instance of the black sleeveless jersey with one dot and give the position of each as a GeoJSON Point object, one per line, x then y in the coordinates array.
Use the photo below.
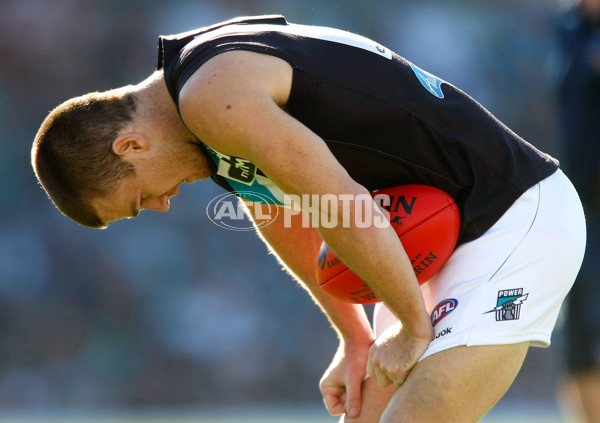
{"type": "Point", "coordinates": [387, 121]}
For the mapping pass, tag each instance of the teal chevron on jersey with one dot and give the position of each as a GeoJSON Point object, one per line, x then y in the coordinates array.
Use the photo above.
{"type": "Point", "coordinates": [429, 81]}
{"type": "Point", "coordinates": [244, 179]}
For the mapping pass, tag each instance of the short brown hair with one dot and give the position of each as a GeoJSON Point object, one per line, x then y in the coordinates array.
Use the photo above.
{"type": "Point", "coordinates": [72, 152]}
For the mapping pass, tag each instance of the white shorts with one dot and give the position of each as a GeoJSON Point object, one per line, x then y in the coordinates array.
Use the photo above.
{"type": "Point", "coordinates": [508, 285]}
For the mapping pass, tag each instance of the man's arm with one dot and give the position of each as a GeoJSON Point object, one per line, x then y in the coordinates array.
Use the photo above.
{"type": "Point", "coordinates": [296, 247]}
{"type": "Point", "coordinates": [234, 103]}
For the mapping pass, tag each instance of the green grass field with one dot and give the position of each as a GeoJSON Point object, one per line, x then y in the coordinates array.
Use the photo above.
{"type": "Point", "coordinates": [167, 419]}
{"type": "Point", "coordinates": [174, 420]}
{"type": "Point", "coordinates": [290, 413]}
{"type": "Point", "coordinates": [264, 419]}
{"type": "Point", "coordinates": [278, 417]}
{"type": "Point", "coordinates": [257, 420]}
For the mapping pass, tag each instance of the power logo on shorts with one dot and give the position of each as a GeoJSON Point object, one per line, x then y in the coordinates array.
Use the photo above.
{"type": "Point", "coordinates": [508, 306]}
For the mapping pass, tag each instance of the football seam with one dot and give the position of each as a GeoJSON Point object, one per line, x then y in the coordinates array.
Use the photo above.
{"type": "Point", "coordinates": [430, 217]}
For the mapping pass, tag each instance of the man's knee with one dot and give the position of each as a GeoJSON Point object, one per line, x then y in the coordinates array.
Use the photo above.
{"type": "Point", "coordinates": [460, 384]}
{"type": "Point", "coordinates": [374, 400]}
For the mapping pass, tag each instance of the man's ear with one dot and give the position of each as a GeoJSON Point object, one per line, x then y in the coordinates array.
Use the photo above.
{"type": "Point", "coordinates": [130, 143]}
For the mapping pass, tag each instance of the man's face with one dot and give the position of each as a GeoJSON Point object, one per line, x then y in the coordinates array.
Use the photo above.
{"type": "Point", "coordinates": [158, 175]}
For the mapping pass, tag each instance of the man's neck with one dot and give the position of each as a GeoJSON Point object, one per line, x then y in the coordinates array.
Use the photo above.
{"type": "Point", "coordinates": [152, 94]}
{"type": "Point", "coordinates": [156, 107]}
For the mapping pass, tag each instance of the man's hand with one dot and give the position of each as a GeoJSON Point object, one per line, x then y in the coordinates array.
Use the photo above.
{"type": "Point", "coordinates": [394, 354]}
{"type": "Point", "coordinates": [341, 384]}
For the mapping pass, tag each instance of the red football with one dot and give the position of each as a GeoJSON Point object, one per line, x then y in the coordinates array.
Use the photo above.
{"type": "Point", "coordinates": [427, 221]}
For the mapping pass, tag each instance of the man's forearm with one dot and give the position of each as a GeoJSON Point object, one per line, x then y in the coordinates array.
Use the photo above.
{"type": "Point", "coordinates": [296, 248]}
{"type": "Point", "coordinates": [376, 254]}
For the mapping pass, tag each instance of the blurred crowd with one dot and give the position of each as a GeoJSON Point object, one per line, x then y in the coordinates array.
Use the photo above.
{"type": "Point", "coordinates": [170, 309]}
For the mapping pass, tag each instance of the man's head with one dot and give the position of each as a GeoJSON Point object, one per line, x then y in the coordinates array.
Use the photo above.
{"type": "Point", "coordinates": [72, 153]}
{"type": "Point", "coordinates": [104, 156]}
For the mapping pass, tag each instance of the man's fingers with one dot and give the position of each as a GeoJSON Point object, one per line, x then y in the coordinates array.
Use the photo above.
{"type": "Point", "coordinates": [375, 371]}
{"type": "Point", "coordinates": [378, 374]}
{"type": "Point", "coordinates": [353, 398]}
{"type": "Point", "coordinates": [370, 368]}
{"type": "Point", "coordinates": [334, 404]}
{"type": "Point", "coordinates": [382, 378]}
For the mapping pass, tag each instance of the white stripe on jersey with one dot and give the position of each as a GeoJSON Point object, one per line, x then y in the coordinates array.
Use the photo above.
{"type": "Point", "coordinates": [317, 32]}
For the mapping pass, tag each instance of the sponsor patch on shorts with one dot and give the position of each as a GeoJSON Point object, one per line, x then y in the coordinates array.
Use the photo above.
{"type": "Point", "coordinates": [443, 309]}
{"type": "Point", "coordinates": [508, 305]}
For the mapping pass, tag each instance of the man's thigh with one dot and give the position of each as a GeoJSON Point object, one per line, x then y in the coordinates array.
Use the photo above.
{"type": "Point", "coordinates": [457, 385]}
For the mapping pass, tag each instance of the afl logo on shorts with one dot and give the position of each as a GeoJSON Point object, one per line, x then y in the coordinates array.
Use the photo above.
{"type": "Point", "coordinates": [442, 310]}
